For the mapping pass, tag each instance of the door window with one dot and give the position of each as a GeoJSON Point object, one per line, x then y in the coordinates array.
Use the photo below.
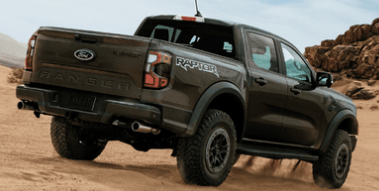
{"type": "Point", "coordinates": [295, 66]}
{"type": "Point", "coordinates": [263, 52]}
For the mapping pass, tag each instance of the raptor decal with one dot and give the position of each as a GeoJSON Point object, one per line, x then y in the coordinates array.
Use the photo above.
{"type": "Point", "coordinates": [184, 63]}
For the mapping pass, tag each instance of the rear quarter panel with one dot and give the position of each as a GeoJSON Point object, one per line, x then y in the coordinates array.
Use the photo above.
{"type": "Point", "coordinates": [188, 81]}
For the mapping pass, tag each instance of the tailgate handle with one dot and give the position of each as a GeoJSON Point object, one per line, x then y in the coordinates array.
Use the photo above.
{"type": "Point", "coordinates": [78, 37]}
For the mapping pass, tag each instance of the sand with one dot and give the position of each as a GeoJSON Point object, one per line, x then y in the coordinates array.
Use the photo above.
{"type": "Point", "coordinates": [29, 162]}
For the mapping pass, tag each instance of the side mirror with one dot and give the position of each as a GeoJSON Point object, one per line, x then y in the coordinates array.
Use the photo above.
{"type": "Point", "coordinates": [324, 79]}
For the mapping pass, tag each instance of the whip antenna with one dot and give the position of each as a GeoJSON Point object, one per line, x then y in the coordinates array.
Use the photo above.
{"type": "Point", "coordinates": [198, 14]}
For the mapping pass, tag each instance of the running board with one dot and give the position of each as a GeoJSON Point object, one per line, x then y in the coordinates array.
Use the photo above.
{"type": "Point", "coordinates": [275, 151]}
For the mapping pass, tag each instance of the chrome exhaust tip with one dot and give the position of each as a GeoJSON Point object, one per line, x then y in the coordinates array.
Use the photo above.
{"type": "Point", "coordinates": [25, 106]}
{"type": "Point", "coordinates": [138, 127]}
{"type": "Point", "coordinates": [20, 105]}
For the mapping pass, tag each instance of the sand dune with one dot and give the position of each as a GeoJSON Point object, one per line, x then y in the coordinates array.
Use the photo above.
{"type": "Point", "coordinates": [12, 52]}
{"type": "Point", "coordinates": [10, 46]}
{"type": "Point", "coordinates": [29, 162]}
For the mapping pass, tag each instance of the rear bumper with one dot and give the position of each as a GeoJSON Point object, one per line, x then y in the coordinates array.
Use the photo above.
{"type": "Point", "coordinates": [105, 111]}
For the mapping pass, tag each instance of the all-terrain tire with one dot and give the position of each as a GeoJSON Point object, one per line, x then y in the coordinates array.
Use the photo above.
{"type": "Point", "coordinates": [332, 168]}
{"type": "Point", "coordinates": [207, 157]}
{"type": "Point", "coordinates": [67, 143]}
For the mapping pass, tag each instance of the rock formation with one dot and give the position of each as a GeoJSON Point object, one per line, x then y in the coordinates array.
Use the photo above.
{"type": "Point", "coordinates": [356, 90]}
{"type": "Point", "coordinates": [353, 54]}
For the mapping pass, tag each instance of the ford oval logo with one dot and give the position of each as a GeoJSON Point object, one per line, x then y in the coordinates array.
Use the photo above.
{"type": "Point", "coordinates": [85, 54]}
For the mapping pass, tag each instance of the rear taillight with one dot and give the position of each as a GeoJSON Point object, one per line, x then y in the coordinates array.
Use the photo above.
{"type": "Point", "coordinates": [29, 53]}
{"type": "Point", "coordinates": [158, 69]}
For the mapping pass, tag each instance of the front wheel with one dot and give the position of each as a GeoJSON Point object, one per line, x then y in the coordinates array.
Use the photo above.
{"type": "Point", "coordinates": [72, 142]}
{"type": "Point", "coordinates": [332, 168]}
{"type": "Point", "coordinates": [207, 157]}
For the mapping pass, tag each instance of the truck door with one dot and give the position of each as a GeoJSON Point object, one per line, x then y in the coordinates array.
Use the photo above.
{"type": "Point", "coordinates": [304, 109]}
{"type": "Point", "coordinates": [267, 89]}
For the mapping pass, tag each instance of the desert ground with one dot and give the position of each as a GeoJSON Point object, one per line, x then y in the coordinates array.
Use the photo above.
{"type": "Point", "coordinates": [28, 160]}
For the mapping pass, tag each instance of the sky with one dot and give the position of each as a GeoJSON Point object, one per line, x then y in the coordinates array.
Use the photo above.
{"type": "Point", "coordinates": [302, 22]}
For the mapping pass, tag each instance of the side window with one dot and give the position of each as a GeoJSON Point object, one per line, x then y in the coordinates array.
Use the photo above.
{"type": "Point", "coordinates": [295, 66]}
{"type": "Point", "coordinates": [263, 52]}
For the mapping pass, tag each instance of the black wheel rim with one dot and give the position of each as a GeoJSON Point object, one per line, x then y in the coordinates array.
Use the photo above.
{"type": "Point", "coordinates": [217, 150]}
{"type": "Point", "coordinates": [342, 161]}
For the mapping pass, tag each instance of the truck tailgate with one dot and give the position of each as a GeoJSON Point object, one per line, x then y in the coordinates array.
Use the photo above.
{"type": "Point", "coordinates": [116, 67]}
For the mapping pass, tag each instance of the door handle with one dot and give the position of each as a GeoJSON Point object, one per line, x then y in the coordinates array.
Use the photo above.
{"type": "Point", "coordinates": [295, 91]}
{"type": "Point", "coordinates": [261, 81]}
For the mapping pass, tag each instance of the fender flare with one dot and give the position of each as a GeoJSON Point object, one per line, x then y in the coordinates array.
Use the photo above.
{"type": "Point", "coordinates": [333, 126]}
{"type": "Point", "coordinates": [207, 97]}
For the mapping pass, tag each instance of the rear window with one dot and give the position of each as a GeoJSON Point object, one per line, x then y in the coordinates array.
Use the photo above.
{"type": "Point", "coordinates": [208, 37]}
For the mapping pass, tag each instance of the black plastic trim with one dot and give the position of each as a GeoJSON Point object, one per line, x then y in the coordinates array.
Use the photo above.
{"type": "Point", "coordinates": [146, 113]}
{"type": "Point", "coordinates": [129, 110]}
{"type": "Point", "coordinates": [333, 126]}
{"type": "Point", "coordinates": [275, 151]}
{"type": "Point", "coordinates": [208, 96]}
{"type": "Point", "coordinates": [33, 95]}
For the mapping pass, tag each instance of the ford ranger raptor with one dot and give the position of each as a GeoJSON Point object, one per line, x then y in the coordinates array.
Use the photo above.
{"type": "Point", "coordinates": [209, 90]}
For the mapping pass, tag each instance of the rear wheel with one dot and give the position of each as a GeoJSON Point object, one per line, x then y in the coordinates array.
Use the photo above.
{"type": "Point", "coordinates": [73, 142]}
{"type": "Point", "coordinates": [333, 167]}
{"type": "Point", "coordinates": [207, 157]}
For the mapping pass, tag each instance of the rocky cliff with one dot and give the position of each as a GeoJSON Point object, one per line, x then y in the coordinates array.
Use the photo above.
{"type": "Point", "coordinates": [353, 54]}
